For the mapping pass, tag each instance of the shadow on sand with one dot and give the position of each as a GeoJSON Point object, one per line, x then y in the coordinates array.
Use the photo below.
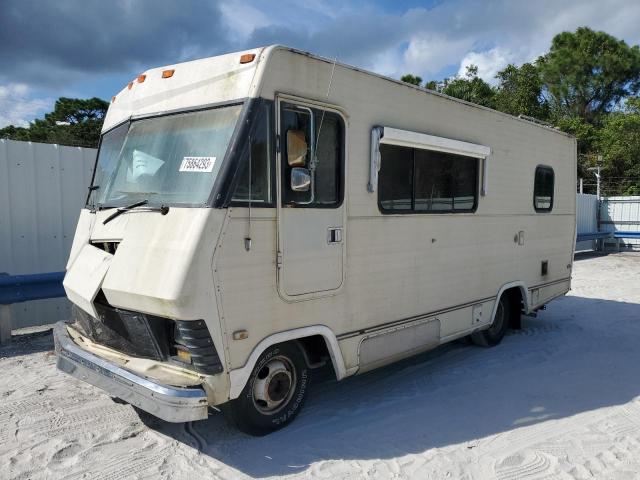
{"type": "Point", "coordinates": [27, 343]}
{"type": "Point", "coordinates": [579, 355]}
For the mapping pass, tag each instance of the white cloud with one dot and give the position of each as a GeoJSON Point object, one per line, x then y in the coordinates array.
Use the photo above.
{"type": "Point", "coordinates": [242, 18]}
{"type": "Point", "coordinates": [489, 62]}
{"type": "Point", "coordinates": [387, 62]}
{"type": "Point", "coordinates": [430, 54]}
{"type": "Point", "coordinates": [17, 107]}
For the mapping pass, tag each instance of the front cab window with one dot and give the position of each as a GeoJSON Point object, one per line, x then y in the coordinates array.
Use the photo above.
{"type": "Point", "coordinates": [312, 157]}
{"type": "Point", "coordinates": [169, 160]}
{"type": "Point", "coordinates": [254, 178]}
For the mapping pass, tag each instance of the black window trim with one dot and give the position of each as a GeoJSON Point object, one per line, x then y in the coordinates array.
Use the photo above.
{"type": "Point", "coordinates": [553, 193]}
{"type": "Point", "coordinates": [412, 211]}
{"type": "Point", "coordinates": [286, 100]}
{"type": "Point", "coordinates": [244, 138]}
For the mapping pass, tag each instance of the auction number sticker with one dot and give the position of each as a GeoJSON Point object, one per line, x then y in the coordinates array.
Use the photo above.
{"type": "Point", "coordinates": [197, 164]}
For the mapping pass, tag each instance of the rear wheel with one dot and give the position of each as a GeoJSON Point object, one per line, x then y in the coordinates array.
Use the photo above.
{"type": "Point", "coordinates": [275, 392]}
{"type": "Point", "coordinates": [496, 332]}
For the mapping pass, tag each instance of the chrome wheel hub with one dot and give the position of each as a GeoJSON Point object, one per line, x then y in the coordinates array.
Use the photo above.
{"type": "Point", "coordinates": [274, 385]}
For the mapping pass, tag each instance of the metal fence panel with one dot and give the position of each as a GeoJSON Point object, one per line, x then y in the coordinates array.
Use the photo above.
{"type": "Point", "coordinates": [586, 218]}
{"type": "Point", "coordinates": [42, 189]}
{"type": "Point", "coordinates": [621, 214]}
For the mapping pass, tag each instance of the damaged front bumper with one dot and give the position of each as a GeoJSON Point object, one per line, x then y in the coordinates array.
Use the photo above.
{"type": "Point", "coordinates": [170, 403]}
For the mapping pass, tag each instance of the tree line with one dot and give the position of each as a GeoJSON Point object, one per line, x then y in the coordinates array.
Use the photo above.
{"type": "Point", "coordinates": [587, 85]}
{"type": "Point", "coordinates": [73, 121]}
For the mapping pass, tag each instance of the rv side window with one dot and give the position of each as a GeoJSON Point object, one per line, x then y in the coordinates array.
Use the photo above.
{"type": "Point", "coordinates": [257, 160]}
{"type": "Point", "coordinates": [543, 189]}
{"type": "Point", "coordinates": [426, 181]}
{"type": "Point", "coordinates": [305, 131]}
{"type": "Point", "coordinates": [396, 178]}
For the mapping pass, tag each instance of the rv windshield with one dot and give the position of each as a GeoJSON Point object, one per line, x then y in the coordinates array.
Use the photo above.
{"type": "Point", "coordinates": [172, 159]}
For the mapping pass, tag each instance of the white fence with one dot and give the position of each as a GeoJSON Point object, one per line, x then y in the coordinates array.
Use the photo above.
{"type": "Point", "coordinates": [621, 214]}
{"type": "Point", "coordinates": [42, 189]}
{"type": "Point", "coordinates": [586, 218]}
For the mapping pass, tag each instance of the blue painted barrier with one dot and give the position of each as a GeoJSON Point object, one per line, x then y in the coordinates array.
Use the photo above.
{"type": "Point", "coordinates": [581, 237]}
{"type": "Point", "coordinates": [618, 236]}
{"type": "Point", "coordinates": [626, 235]}
{"type": "Point", "coordinates": [22, 288]}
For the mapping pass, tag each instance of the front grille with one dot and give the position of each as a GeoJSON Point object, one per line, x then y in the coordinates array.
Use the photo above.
{"type": "Point", "coordinates": [194, 337]}
{"type": "Point", "coordinates": [148, 336]}
{"type": "Point", "coordinates": [129, 332]}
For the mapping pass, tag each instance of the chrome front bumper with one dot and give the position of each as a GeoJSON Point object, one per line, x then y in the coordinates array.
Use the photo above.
{"type": "Point", "coordinates": [173, 404]}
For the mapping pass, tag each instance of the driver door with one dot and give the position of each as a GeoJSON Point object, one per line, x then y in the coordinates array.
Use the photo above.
{"type": "Point", "coordinates": [311, 234]}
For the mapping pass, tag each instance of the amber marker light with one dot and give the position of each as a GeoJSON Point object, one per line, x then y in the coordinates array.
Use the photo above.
{"type": "Point", "coordinates": [113, 99]}
{"type": "Point", "coordinates": [141, 78]}
{"type": "Point", "coordinates": [184, 355]}
{"type": "Point", "coordinates": [168, 73]}
{"type": "Point", "coordinates": [129, 85]}
{"type": "Point", "coordinates": [247, 58]}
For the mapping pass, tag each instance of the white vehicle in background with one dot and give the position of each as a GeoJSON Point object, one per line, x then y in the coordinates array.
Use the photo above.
{"type": "Point", "coordinates": [244, 227]}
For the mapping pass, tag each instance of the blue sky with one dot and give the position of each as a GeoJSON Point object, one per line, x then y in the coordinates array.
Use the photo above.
{"type": "Point", "coordinates": [85, 48]}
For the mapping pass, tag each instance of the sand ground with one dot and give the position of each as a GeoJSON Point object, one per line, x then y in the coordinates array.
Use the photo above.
{"type": "Point", "coordinates": [559, 399]}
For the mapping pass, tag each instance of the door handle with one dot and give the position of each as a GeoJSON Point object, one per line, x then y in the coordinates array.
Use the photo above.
{"type": "Point", "coordinates": [334, 235]}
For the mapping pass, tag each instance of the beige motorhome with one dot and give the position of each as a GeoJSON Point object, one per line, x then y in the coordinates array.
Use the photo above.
{"type": "Point", "coordinates": [256, 215]}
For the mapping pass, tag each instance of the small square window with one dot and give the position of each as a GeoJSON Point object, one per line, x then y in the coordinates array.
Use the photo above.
{"type": "Point", "coordinates": [543, 189]}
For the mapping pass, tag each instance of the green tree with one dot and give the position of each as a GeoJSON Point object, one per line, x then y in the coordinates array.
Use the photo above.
{"type": "Point", "coordinates": [619, 144]}
{"type": "Point", "coordinates": [432, 85]}
{"type": "Point", "coordinates": [587, 136]}
{"type": "Point", "coordinates": [412, 79]}
{"type": "Point", "coordinates": [74, 122]}
{"type": "Point", "coordinates": [470, 88]}
{"type": "Point", "coordinates": [519, 92]}
{"type": "Point", "coordinates": [586, 85]}
{"type": "Point", "coordinates": [587, 74]}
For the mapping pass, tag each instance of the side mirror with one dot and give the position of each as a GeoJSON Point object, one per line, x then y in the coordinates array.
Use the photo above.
{"type": "Point", "coordinates": [296, 148]}
{"type": "Point", "coordinates": [300, 179]}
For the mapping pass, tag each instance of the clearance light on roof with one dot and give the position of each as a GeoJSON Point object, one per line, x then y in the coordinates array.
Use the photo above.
{"type": "Point", "coordinates": [168, 73]}
{"type": "Point", "coordinates": [247, 58]}
{"type": "Point", "coordinates": [141, 78]}
{"type": "Point", "coordinates": [113, 99]}
{"type": "Point", "coordinates": [129, 85]}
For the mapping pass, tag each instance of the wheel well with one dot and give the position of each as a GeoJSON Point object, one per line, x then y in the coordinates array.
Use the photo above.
{"type": "Point", "coordinates": [315, 350]}
{"type": "Point", "coordinates": [516, 301]}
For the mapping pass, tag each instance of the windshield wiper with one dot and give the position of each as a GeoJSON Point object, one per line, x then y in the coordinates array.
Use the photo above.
{"type": "Point", "coordinates": [162, 209]}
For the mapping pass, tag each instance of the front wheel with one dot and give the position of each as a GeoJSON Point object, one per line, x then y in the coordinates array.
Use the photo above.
{"type": "Point", "coordinates": [274, 393]}
{"type": "Point", "coordinates": [496, 332]}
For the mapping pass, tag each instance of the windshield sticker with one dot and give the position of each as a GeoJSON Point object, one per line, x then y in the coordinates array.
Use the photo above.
{"type": "Point", "coordinates": [197, 164]}
{"type": "Point", "coordinates": [143, 164]}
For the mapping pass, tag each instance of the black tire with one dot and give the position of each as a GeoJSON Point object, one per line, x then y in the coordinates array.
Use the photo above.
{"type": "Point", "coordinates": [496, 332]}
{"type": "Point", "coordinates": [281, 379]}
